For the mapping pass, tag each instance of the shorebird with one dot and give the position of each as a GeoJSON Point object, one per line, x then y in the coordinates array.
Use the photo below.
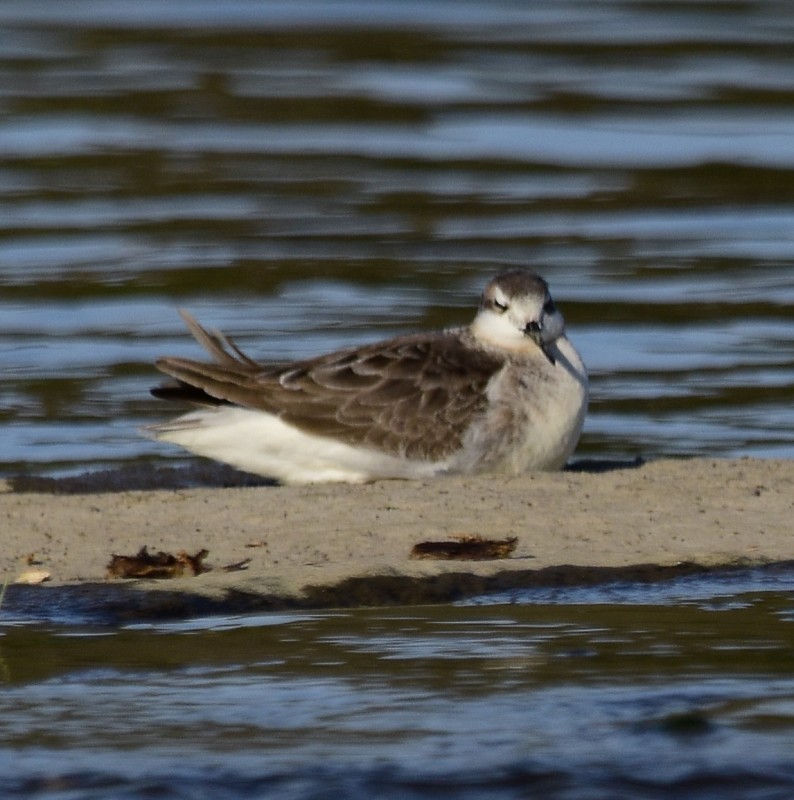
{"type": "Point", "coordinates": [506, 394]}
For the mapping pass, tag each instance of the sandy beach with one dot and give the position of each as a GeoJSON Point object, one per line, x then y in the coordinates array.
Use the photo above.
{"type": "Point", "coordinates": [342, 545]}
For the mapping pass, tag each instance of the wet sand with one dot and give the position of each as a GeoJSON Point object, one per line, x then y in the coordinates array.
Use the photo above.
{"type": "Point", "coordinates": [340, 545]}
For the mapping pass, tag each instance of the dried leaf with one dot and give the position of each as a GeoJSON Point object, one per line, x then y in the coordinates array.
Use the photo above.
{"type": "Point", "coordinates": [158, 565]}
{"type": "Point", "coordinates": [466, 547]}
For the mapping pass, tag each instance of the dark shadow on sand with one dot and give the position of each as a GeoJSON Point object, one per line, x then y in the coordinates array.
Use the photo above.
{"type": "Point", "coordinates": [596, 466]}
{"type": "Point", "coordinates": [207, 475]}
{"type": "Point", "coordinates": [140, 477]}
{"type": "Point", "coordinates": [121, 602]}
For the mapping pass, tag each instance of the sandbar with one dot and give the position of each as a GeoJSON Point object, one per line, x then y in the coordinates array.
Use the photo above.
{"type": "Point", "coordinates": [330, 545]}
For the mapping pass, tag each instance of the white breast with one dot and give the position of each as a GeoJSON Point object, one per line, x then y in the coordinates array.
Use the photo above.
{"type": "Point", "coordinates": [535, 415]}
{"type": "Point", "coordinates": [560, 409]}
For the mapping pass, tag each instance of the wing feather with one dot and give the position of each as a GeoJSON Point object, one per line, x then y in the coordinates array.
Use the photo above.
{"type": "Point", "coordinates": [413, 395]}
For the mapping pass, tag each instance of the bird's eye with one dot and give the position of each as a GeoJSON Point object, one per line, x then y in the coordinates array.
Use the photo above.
{"type": "Point", "coordinates": [500, 307]}
{"type": "Point", "coordinates": [548, 306]}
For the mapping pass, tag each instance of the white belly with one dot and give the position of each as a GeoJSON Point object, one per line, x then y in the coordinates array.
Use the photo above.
{"type": "Point", "coordinates": [260, 443]}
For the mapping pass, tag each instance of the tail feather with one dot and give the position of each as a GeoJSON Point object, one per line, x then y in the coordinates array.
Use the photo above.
{"type": "Point", "coordinates": [185, 393]}
{"type": "Point", "coordinates": [214, 384]}
{"type": "Point", "coordinates": [217, 344]}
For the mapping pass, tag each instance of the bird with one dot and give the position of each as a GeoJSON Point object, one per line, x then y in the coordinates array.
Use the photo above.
{"type": "Point", "coordinates": [504, 395]}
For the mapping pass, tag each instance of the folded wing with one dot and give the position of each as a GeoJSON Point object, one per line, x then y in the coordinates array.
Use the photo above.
{"type": "Point", "coordinates": [412, 396]}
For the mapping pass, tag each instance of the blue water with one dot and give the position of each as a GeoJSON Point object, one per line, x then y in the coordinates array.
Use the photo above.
{"type": "Point", "coordinates": [670, 690]}
{"type": "Point", "coordinates": [313, 175]}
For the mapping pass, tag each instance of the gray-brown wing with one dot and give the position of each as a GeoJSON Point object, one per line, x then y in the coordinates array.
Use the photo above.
{"type": "Point", "coordinates": [414, 395]}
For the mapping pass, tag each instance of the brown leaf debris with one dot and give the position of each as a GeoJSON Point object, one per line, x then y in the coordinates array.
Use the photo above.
{"type": "Point", "coordinates": [156, 565]}
{"type": "Point", "coordinates": [466, 547]}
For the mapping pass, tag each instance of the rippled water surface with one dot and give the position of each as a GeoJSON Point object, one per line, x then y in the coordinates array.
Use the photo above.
{"type": "Point", "coordinates": [678, 690]}
{"type": "Point", "coordinates": [310, 175]}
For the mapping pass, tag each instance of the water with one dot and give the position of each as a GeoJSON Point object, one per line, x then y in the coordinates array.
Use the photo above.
{"type": "Point", "coordinates": [312, 175]}
{"type": "Point", "coordinates": [682, 689]}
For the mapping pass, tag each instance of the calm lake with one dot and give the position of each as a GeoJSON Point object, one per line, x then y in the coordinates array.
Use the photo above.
{"type": "Point", "coordinates": [308, 175]}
